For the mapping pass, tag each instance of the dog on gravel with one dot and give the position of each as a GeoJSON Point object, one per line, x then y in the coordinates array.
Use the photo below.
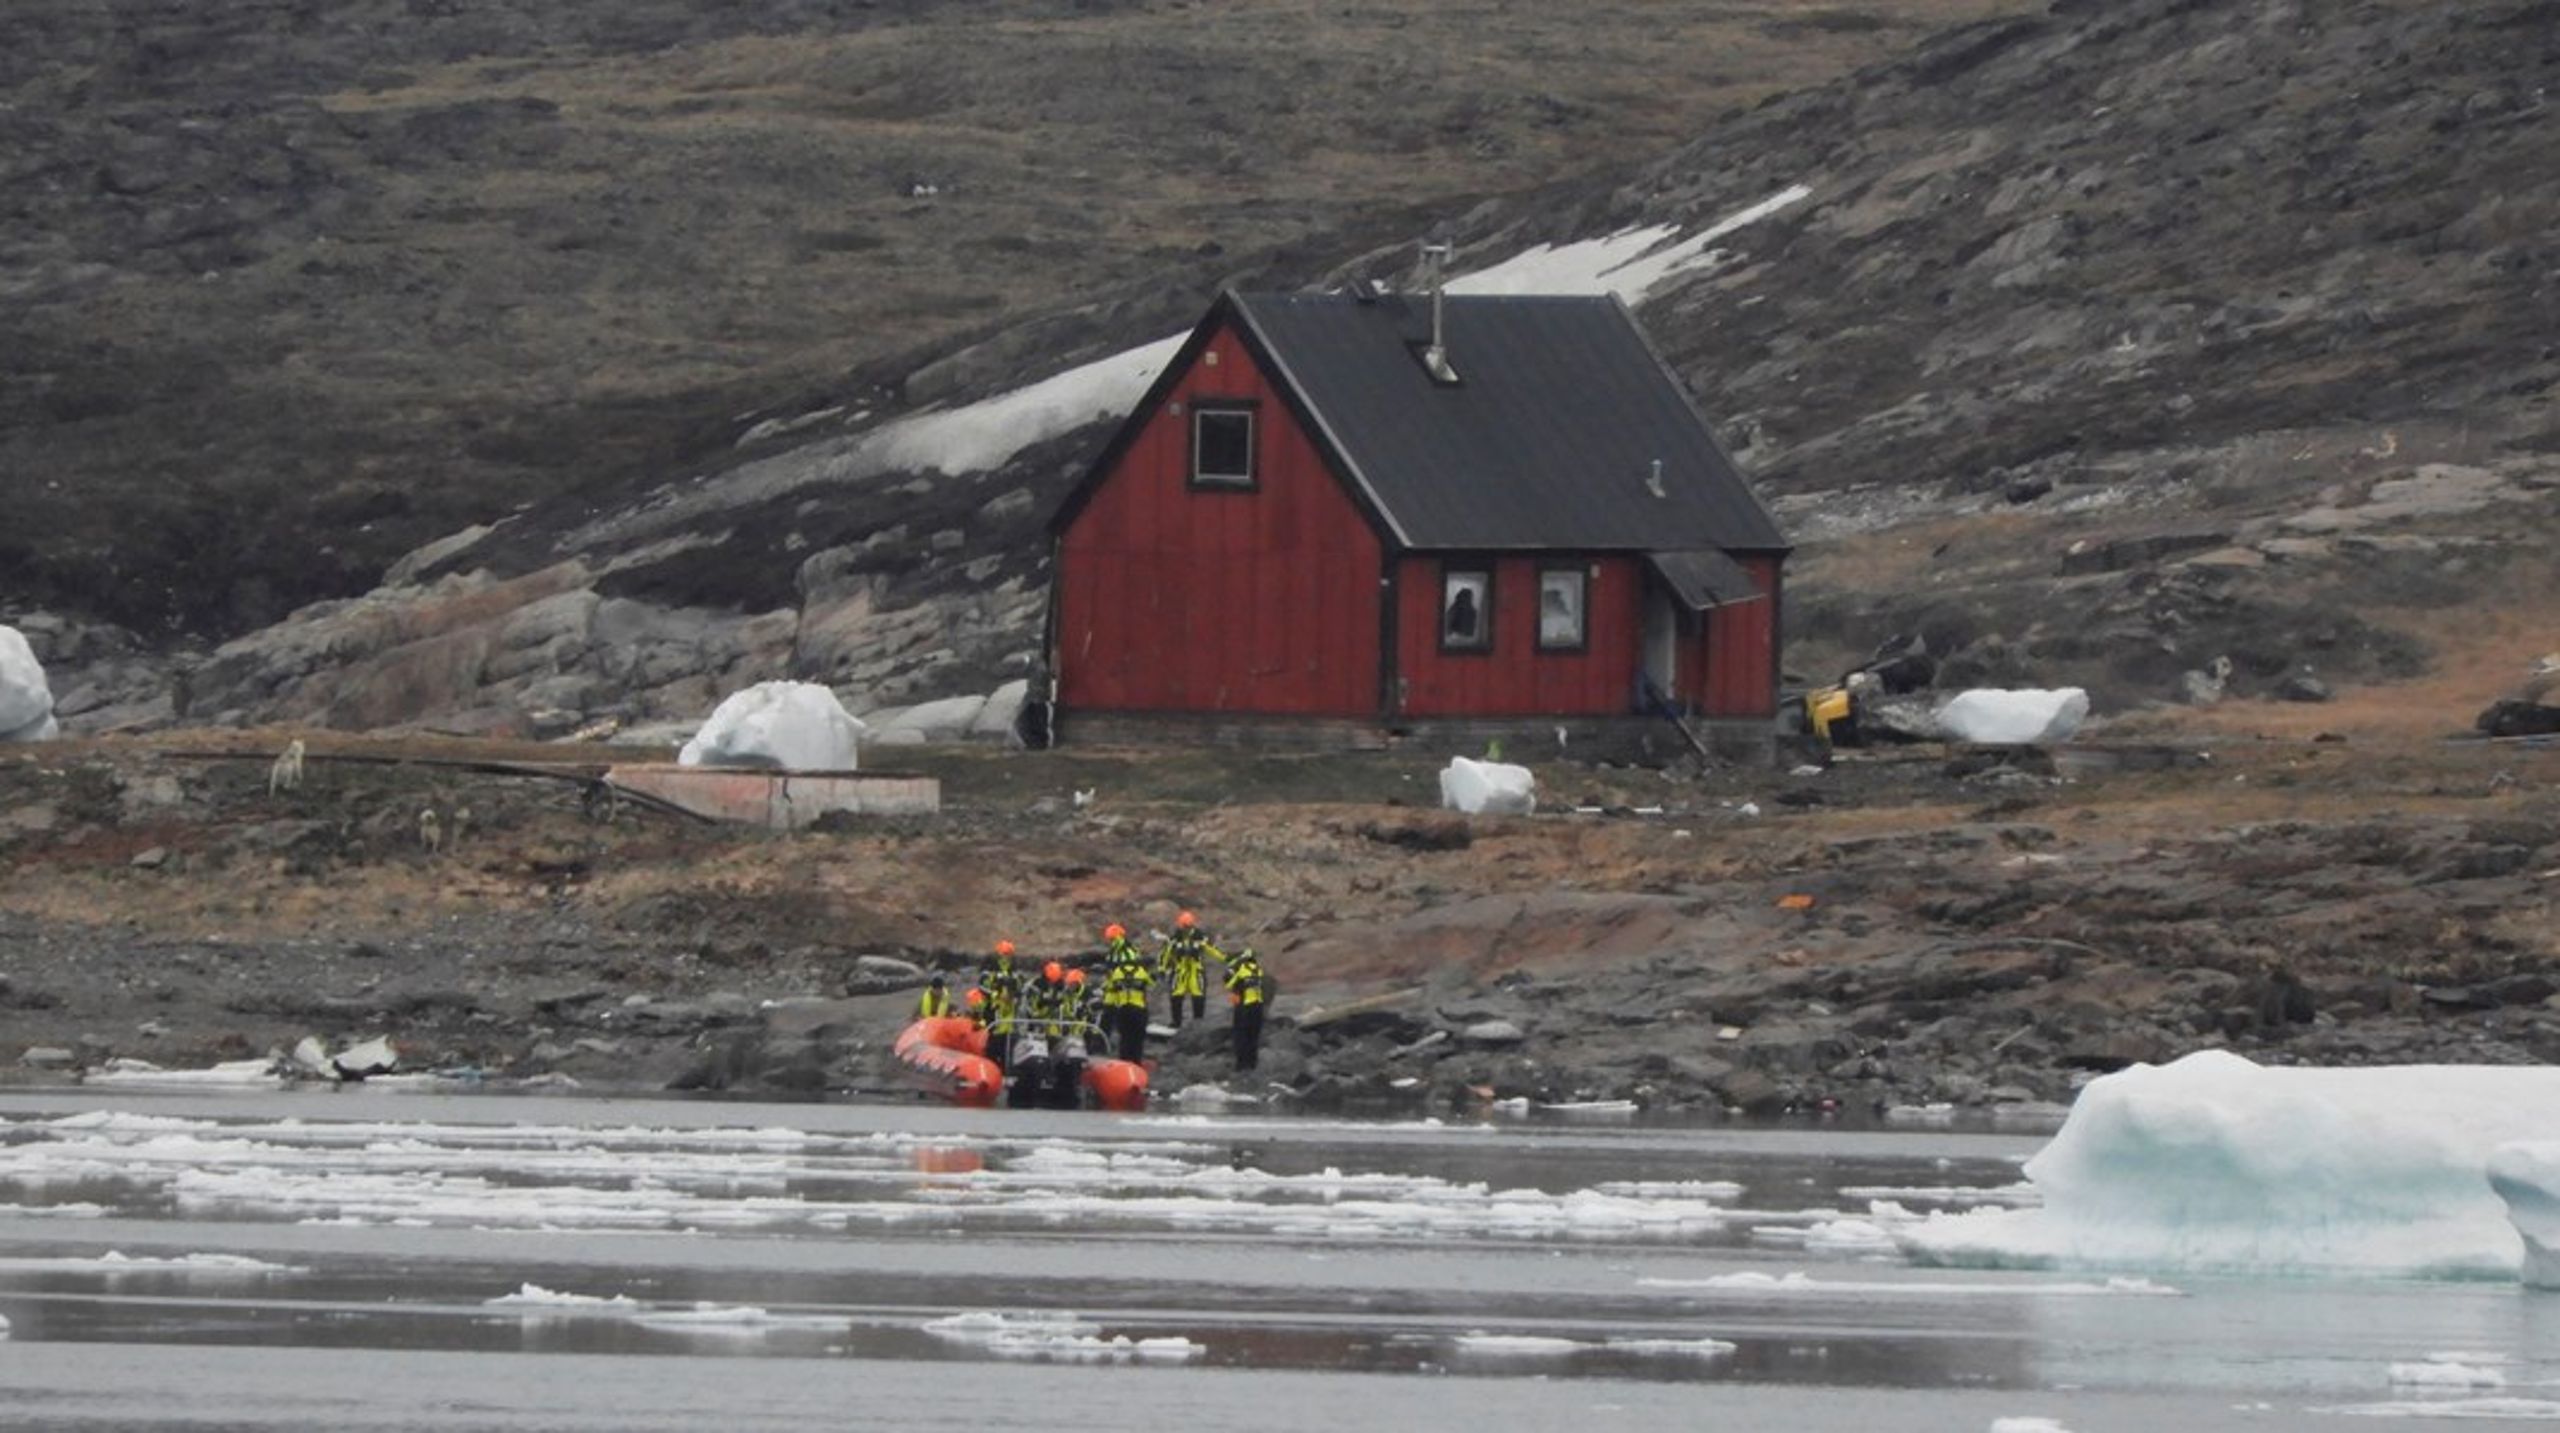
{"type": "Point", "coordinates": [286, 774]}
{"type": "Point", "coordinates": [430, 832]}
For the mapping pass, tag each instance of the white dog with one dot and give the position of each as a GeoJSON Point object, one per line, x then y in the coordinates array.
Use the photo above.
{"type": "Point", "coordinates": [286, 774]}
{"type": "Point", "coordinates": [430, 832]}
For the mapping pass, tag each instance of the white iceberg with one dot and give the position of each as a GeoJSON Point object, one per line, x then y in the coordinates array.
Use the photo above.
{"type": "Point", "coordinates": [2014, 718]}
{"type": "Point", "coordinates": [26, 701]}
{"type": "Point", "coordinates": [2215, 1164]}
{"type": "Point", "coordinates": [1481, 787]}
{"type": "Point", "coordinates": [2527, 1176]}
{"type": "Point", "coordinates": [796, 726]}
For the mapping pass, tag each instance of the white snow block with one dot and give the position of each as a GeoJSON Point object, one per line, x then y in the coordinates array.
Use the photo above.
{"type": "Point", "coordinates": [2212, 1164]}
{"type": "Point", "coordinates": [796, 726]}
{"type": "Point", "coordinates": [26, 702]}
{"type": "Point", "coordinates": [2527, 1175]}
{"type": "Point", "coordinates": [2014, 718]}
{"type": "Point", "coordinates": [1482, 787]}
{"type": "Point", "coordinates": [1004, 706]}
{"type": "Point", "coordinates": [937, 721]}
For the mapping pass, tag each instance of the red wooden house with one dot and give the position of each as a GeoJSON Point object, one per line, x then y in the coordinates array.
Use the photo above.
{"type": "Point", "coordinates": [1359, 516]}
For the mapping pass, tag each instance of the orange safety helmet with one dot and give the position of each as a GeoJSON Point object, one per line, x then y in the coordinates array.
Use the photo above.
{"type": "Point", "coordinates": [1114, 931]}
{"type": "Point", "coordinates": [1186, 920]}
{"type": "Point", "coordinates": [1004, 947]}
{"type": "Point", "coordinates": [1075, 977]}
{"type": "Point", "coordinates": [1052, 971]}
{"type": "Point", "coordinates": [977, 997]}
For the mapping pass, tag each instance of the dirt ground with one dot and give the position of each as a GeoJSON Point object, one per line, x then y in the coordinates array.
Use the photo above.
{"type": "Point", "coordinates": [1911, 925]}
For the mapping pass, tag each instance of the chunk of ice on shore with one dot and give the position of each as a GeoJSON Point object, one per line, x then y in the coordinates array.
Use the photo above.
{"type": "Point", "coordinates": [2014, 718]}
{"type": "Point", "coordinates": [1674, 1347]}
{"type": "Point", "coordinates": [2213, 1163]}
{"type": "Point", "coordinates": [2526, 1175]}
{"type": "Point", "coordinates": [1487, 788]}
{"type": "Point", "coordinates": [26, 701]}
{"type": "Point", "coordinates": [796, 726]}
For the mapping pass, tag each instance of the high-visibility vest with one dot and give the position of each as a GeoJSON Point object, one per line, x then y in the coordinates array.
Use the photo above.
{"type": "Point", "coordinates": [1185, 963]}
{"type": "Point", "coordinates": [1244, 981]}
{"type": "Point", "coordinates": [935, 1001]}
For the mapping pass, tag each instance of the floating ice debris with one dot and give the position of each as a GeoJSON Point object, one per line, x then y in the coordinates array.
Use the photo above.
{"type": "Point", "coordinates": [2014, 1195]}
{"type": "Point", "coordinates": [2027, 1425]}
{"type": "Point", "coordinates": [1514, 1345]}
{"type": "Point", "coordinates": [536, 1299]}
{"type": "Point", "coordinates": [2501, 1410]}
{"type": "Point", "coordinates": [1674, 1347]}
{"type": "Point", "coordinates": [1848, 1236]}
{"type": "Point", "coordinates": [1670, 1188]}
{"type": "Point", "coordinates": [116, 1262]}
{"type": "Point", "coordinates": [1753, 1281]}
{"type": "Point", "coordinates": [1588, 1108]}
{"type": "Point", "coordinates": [53, 1211]}
{"type": "Point", "coordinates": [2213, 1163]}
{"type": "Point", "coordinates": [710, 1317]}
{"type": "Point", "coordinates": [2445, 1370]}
{"type": "Point", "coordinates": [1058, 1335]}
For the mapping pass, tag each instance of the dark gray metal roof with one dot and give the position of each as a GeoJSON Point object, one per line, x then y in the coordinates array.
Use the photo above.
{"type": "Point", "coordinates": [1548, 439]}
{"type": "Point", "coordinates": [1704, 578]}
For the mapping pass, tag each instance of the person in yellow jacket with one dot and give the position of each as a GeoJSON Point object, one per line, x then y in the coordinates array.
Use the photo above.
{"type": "Point", "coordinates": [1249, 991]}
{"type": "Point", "coordinates": [935, 1002]}
{"type": "Point", "coordinates": [1184, 966]}
{"type": "Point", "coordinates": [1003, 985]}
{"type": "Point", "coordinates": [1124, 1005]}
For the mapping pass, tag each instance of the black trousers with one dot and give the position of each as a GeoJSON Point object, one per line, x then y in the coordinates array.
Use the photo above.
{"type": "Point", "coordinates": [1131, 1027]}
{"type": "Point", "coordinates": [1199, 1009]}
{"type": "Point", "coordinates": [1248, 1033]}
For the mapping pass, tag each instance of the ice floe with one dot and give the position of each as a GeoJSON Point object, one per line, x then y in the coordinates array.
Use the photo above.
{"type": "Point", "coordinates": [535, 1299]}
{"type": "Point", "coordinates": [1515, 1345]}
{"type": "Point", "coordinates": [116, 1262]}
{"type": "Point", "coordinates": [2446, 1371]}
{"type": "Point", "coordinates": [1673, 1347]}
{"type": "Point", "coordinates": [2213, 1163]}
{"type": "Point", "coordinates": [2486, 1410]}
{"type": "Point", "coordinates": [1796, 1281]}
{"type": "Point", "coordinates": [1057, 1335]}
{"type": "Point", "coordinates": [551, 1177]}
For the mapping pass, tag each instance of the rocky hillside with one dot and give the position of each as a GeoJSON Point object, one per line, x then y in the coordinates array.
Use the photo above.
{"type": "Point", "coordinates": [293, 287]}
{"type": "Point", "coordinates": [2104, 344]}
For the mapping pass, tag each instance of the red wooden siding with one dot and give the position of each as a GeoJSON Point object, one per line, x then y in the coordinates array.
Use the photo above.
{"type": "Point", "coordinates": [1515, 678]}
{"type": "Point", "coordinates": [1174, 598]}
{"type": "Point", "coordinates": [1731, 669]}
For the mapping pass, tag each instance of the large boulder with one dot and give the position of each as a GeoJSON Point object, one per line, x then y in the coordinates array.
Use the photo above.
{"type": "Point", "coordinates": [26, 701]}
{"type": "Point", "coordinates": [796, 726]}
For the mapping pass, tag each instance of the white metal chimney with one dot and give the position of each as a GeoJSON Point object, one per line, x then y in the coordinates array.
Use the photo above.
{"type": "Point", "coordinates": [1435, 359]}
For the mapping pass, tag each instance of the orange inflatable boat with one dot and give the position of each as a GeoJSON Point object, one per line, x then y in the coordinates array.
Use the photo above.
{"type": "Point", "coordinates": [947, 1055]}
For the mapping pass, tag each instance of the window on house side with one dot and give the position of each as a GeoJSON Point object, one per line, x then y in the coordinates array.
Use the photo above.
{"type": "Point", "coordinates": [1222, 447]}
{"type": "Point", "coordinates": [1466, 612]}
{"type": "Point", "coordinates": [1560, 610]}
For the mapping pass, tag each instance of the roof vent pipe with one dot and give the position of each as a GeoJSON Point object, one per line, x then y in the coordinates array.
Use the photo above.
{"type": "Point", "coordinates": [1653, 481]}
{"type": "Point", "coordinates": [1435, 359]}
